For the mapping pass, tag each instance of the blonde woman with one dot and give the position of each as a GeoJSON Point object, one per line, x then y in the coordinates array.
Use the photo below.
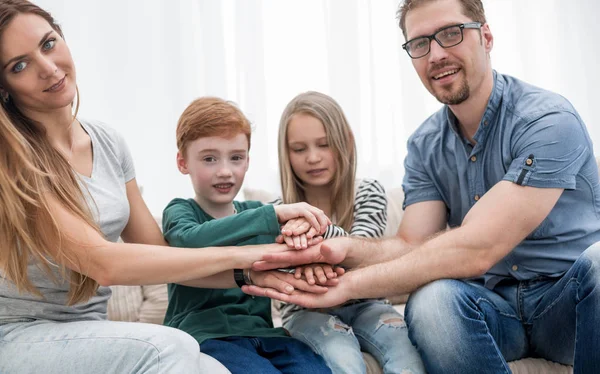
{"type": "Point", "coordinates": [67, 192]}
{"type": "Point", "coordinates": [317, 163]}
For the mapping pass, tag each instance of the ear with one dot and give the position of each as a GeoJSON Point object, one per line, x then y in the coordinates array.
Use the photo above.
{"type": "Point", "coordinates": [487, 38]}
{"type": "Point", "coordinates": [182, 164]}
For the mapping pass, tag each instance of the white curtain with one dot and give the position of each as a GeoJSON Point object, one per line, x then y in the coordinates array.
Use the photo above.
{"type": "Point", "coordinates": [140, 62]}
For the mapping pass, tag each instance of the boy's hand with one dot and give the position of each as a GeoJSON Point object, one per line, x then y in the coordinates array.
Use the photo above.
{"type": "Point", "coordinates": [315, 216]}
{"type": "Point", "coordinates": [286, 282]}
{"type": "Point", "coordinates": [299, 226]}
{"type": "Point", "coordinates": [322, 272]}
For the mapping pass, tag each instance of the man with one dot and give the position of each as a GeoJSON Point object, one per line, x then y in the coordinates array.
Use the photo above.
{"type": "Point", "coordinates": [510, 169]}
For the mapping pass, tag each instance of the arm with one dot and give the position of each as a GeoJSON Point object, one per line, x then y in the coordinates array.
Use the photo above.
{"type": "Point", "coordinates": [183, 229]}
{"type": "Point", "coordinates": [86, 251]}
{"type": "Point", "coordinates": [493, 227]}
{"type": "Point", "coordinates": [141, 228]}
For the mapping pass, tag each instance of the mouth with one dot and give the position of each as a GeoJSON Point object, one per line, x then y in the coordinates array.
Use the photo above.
{"type": "Point", "coordinates": [444, 74]}
{"type": "Point", "coordinates": [223, 187]}
{"type": "Point", "coordinates": [57, 86]}
{"type": "Point", "coordinates": [316, 172]}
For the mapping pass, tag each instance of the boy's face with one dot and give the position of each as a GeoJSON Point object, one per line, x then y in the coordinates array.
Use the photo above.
{"type": "Point", "coordinates": [217, 167]}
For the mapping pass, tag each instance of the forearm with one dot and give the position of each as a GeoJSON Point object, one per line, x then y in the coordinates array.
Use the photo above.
{"type": "Point", "coordinates": [223, 279]}
{"type": "Point", "coordinates": [133, 264]}
{"type": "Point", "coordinates": [365, 252]}
{"type": "Point", "coordinates": [448, 256]}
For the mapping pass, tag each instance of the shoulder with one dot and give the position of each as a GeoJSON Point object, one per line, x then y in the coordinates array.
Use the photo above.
{"type": "Point", "coordinates": [529, 102]}
{"type": "Point", "coordinates": [431, 129]}
{"type": "Point", "coordinates": [179, 204]}
{"type": "Point", "coordinates": [367, 186]}
{"type": "Point", "coordinates": [104, 135]}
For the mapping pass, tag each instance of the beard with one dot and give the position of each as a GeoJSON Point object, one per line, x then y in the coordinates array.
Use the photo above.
{"type": "Point", "coordinates": [453, 96]}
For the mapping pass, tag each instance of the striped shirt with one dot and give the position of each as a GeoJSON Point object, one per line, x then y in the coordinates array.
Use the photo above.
{"type": "Point", "coordinates": [370, 219]}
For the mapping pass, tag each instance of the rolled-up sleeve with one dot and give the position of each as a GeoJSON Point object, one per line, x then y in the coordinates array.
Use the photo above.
{"type": "Point", "coordinates": [548, 152]}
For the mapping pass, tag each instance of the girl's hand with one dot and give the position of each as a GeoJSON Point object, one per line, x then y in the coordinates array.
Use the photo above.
{"type": "Point", "coordinates": [322, 272]}
{"type": "Point", "coordinates": [299, 226]}
{"type": "Point", "coordinates": [315, 216]}
{"type": "Point", "coordinates": [298, 242]}
{"type": "Point", "coordinates": [285, 282]}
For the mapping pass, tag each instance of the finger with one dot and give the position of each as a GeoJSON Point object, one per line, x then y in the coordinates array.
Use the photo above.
{"type": "Point", "coordinates": [279, 239]}
{"type": "Point", "coordinates": [265, 292]}
{"type": "Point", "coordinates": [288, 228]}
{"type": "Point", "coordinates": [312, 232]}
{"type": "Point", "coordinates": [332, 282]}
{"type": "Point", "coordinates": [303, 241]}
{"type": "Point", "coordinates": [276, 282]}
{"type": "Point", "coordinates": [340, 270]}
{"type": "Point", "coordinates": [312, 288]}
{"type": "Point", "coordinates": [309, 275]}
{"type": "Point", "coordinates": [312, 219]}
{"type": "Point", "coordinates": [289, 241]}
{"type": "Point", "coordinates": [314, 241]}
{"type": "Point", "coordinates": [302, 228]}
{"type": "Point", "coordinates": [297, 242]}
{"type": "Point", "coordinates": [298, 272]}
{"type": "Point", "coordinates": [320, 274]}
{"type": "Point", "coordinates": [329, 273]}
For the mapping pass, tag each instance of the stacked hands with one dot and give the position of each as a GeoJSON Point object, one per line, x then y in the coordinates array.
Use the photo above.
{"type": "Point", "coordinates": [301, 267]}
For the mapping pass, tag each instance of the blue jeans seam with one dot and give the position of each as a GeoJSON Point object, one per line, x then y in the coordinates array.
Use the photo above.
{"type": "Point", "coordinates": [556, 300]}
{"type": "Point", "coordinates": [481, 299]}
{"type": "Point", "coordinates": [495, 345]}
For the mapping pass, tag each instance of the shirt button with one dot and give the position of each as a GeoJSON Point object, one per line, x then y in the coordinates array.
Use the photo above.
{"type": "Point", "coordinates": [529, 162]}
{"type": "Point", "coordinates": [473, 158]}
{"type": "Point", "coordinates": [515, 267]}
{"type": "Point", "coordinates": [485, 123]}
{"type": "Point", "coordinates": [476, 198]}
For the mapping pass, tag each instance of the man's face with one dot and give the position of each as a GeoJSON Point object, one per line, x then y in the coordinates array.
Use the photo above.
{"type": "Point", "coordinates": [450, 74]}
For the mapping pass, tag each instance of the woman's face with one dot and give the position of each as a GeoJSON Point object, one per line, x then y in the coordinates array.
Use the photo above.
{"type": "Point", "coordinates": [37, 68]}
{"type": "Point", "coordinates": [311, 157]}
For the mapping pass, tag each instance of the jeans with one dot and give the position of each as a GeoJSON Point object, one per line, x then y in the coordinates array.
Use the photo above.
{"type": "Point", "coordinates": [265, 355]}
{"type": "Point", "coordinates": [340, 334]}
{"type": "Point", "coordinates": [462, 327]}
{"type": "Point", "coordinates": [100, 347]}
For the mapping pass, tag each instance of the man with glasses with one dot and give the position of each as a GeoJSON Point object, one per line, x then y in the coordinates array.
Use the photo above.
{"type": "Point", "coordinates": [509, 168]}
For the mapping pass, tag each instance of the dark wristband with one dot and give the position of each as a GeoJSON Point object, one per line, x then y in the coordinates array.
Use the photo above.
{"type": "Point", "coordinates": [238, 276]}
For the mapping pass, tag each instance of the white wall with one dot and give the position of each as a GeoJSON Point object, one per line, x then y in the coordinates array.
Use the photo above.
{"type": "Point", "coordinates": [140, 62]}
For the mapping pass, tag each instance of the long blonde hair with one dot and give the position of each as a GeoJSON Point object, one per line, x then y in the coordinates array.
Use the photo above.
{"type": "Point", "coordinates": [341, 141]}
{"type": "Point", "coordinates": [32, 171]}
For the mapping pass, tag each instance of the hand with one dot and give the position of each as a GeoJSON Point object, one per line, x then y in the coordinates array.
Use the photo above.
{"type": "Point", "coordinates": [299, 226]}
{"type": "Point", "coordinates": [322, 273]}
{"type": "Point", "coordinates": [331, 251]}
{"type": "Point", "coordinates": [287, 283]}
{"type": "Point", "coordinates": [298, 242]}
{"type": "Point", "coordinates": [315, 216]}
{"type": "Point", "coordinates": [334, 296]}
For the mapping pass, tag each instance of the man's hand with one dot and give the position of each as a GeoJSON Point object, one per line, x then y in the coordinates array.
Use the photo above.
{"type": "Point", "coordinates": [334, 296]}
{"type": "Point", "coordinates": [315, 216]}
{"type": "Point", "coordinates": [331, 251]}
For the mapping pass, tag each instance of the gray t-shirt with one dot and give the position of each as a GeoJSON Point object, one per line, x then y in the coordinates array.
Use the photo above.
{"type": "Point", "coordinates": [112, 168]}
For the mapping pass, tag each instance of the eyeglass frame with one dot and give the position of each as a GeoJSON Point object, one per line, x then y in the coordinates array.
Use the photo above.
{"type": "Point", "coordinates": [461, 26]}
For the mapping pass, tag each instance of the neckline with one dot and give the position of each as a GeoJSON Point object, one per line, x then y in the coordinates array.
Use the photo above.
{"type": "Point", "coordinates": [92, 143]}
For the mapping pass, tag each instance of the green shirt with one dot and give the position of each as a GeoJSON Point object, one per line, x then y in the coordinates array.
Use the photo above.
{"type": "Point", "coordinates": [216, 313]}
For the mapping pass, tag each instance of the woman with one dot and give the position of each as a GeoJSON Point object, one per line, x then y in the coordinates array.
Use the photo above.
{"type": "Point", "coordinates": [67, 192]}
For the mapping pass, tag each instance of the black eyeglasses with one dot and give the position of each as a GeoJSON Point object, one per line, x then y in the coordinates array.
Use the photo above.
{"type": "Point", "coordinates": [447, 37]}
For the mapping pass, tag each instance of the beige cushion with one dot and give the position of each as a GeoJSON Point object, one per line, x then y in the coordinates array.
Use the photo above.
{"type": "Point", "coordinates": [125, 303]}
{"type": "Point", "coordinates": [155, 303]}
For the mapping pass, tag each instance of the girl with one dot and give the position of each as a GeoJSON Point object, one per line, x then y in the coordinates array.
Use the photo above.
{"type": "Point", "coordinates": [67, 192]}
{"type": "Point", "coordinates": [317, 163]}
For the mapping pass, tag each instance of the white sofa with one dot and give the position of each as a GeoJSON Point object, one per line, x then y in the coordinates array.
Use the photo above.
{"type": "Point", "coordinates": [149, 303]}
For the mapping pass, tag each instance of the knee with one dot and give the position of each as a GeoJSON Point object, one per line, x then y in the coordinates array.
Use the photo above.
{"type": "Point", "coordinates": [176, 345]}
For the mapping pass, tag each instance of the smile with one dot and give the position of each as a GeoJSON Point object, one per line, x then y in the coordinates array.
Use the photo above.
{"type": "Point", "coordinates": [57, 86]}
{"type": "Point", "coordinates": [445, 74]}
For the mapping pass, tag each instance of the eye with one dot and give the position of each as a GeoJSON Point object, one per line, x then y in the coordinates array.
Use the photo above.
{"type": "Point", "coordinates": [49, 44]}
{"type": "Point", "coordinates": [19, 66]}
{"type": "Point", "coordinates": [237, 157]}
{"type": "Point", "coordinates": [298, 150]}
{"type": "Point", "coordinates": [326, 145]}
{"type": "Point", "coordinates": [209, 159]}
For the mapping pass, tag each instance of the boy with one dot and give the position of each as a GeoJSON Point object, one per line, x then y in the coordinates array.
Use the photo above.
{"type": "Point", "coordinates": [213, 139]}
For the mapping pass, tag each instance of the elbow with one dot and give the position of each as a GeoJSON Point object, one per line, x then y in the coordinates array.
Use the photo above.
{"type": "Point", "coordinates": [103, 269]}
{"type": "Point", "coordinates": [486, 259]}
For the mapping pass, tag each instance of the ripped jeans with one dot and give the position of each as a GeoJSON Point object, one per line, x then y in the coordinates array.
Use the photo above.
{"type": "Point", "coordinates": [339, 335]}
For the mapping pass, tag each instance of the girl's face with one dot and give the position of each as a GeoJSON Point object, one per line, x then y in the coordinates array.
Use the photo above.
{"type": "Point", "coordinates": [37, 67]}
{"type": "Point", "coordinates": [311, 158]}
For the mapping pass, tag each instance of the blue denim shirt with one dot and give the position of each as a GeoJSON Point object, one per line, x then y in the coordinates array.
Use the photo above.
{"type": "Point", "coordinates": [528, 136]}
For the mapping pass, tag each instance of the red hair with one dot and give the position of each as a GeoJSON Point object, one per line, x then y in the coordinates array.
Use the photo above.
{"type": "Point", "coordinates": [210, 116]}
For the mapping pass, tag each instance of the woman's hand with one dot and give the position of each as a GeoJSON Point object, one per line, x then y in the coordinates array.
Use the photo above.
{"type": "Point", "coordinates": [286, 283]}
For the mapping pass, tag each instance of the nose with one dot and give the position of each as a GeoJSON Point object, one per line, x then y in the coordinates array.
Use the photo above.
{"type": "Point", "coordinates": [47, 67]}
{"type": "Point", "coordinates": [224, 171]}
{"type": "Point", "coordinates": [314, 156]}
{"type": "Point", "coordinates": [436, 52]}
